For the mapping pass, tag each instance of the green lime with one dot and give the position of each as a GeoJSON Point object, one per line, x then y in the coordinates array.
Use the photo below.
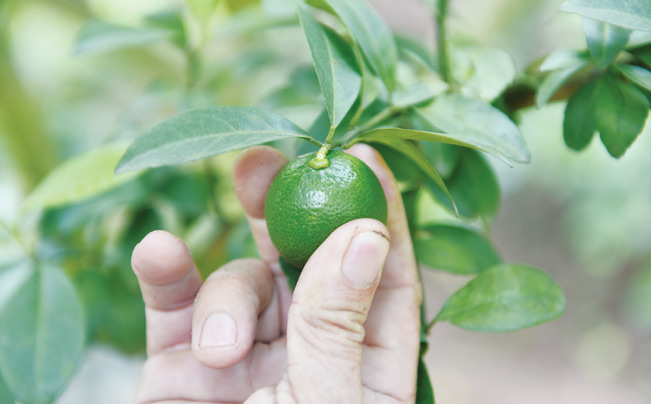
{"type": "Point", "coordinates": [304, 205]}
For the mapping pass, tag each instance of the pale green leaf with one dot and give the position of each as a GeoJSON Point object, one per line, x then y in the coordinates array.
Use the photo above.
{"type": "Point", "coordinates": [477, 124]}
{"type": "Point", "coordinates": [605, 41]}
{"type": "Point", "coordinates": [554, 80]}
{"type": "Point", "coordinates": [202, 133]}
{"type": "Point", "coordinates": [81, 177]}
{"type": "Point", "coordinates": [97, 36]}
{"type": "Point", "coordinates": [637, 74]}
{"type": "Point", "coordinates": [370, 32]}
{"type": "Point", "coordinates": [455, 249]}
{"type": "Point", "coordinates": [507, 297]}
{"type": "Point", "coordinates": [631, 14]}
{"type": "Point", "coordinates": [335, 67]}
{"type": "Point", "coordinates": [42, 332]}
{"type": "Point", "coordinates": [483, 72]}
{"type": "Point", "coordinates": [563, 58]}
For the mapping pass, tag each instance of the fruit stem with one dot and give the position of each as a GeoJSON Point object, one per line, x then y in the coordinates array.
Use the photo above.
{"type": "Point", "coordinates": [320, 161]}
{"type": "Point", "coordinates": [330, 134]}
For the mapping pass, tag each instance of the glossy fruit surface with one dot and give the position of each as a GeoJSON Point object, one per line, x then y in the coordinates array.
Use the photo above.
{"type": "Point", "coordinates": [304, 205]}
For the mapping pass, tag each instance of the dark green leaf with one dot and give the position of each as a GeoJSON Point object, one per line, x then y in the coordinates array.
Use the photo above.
{"type": "Point", "coordinates": [456, 249]}
{"type": "Point", "coordinates": [444, 157]}
{"type": "Point", "coordinates": [631, 14]}
{"type": "Point", "coordinates": [474, 187]}
{"type": "Point", "coordinates": [477, 124]}
{"type": "Point", "coordinates": [291, 273]}
{"type": "Point", "coordinates": [637, 74]}
{"type": "Point", "coordinates": [424, 389]}
{"type": "Point", "coordinates": [202, 133]}
{"type": "Point", "coordinates": [409, 150]}
{"type": "Point", "coordinates": [507, 297]}
{"type": "Point", "coordinates": [81, 177]}
{"type": "Point", "coordinates": [97, 36]}
{"type": "Point", "coordinates": [644, 54]}
{"type": "Point", "coordinates": [335, 66]}
{"type": "Point", "coordinates": [605, 41]}
{"type": "Point", "coordinates": [579, 123]}
{"type": "Point", "coordinates": [621, 112]}
{"type": "Point", "coordinates": [370, 32]}
{"type": "Point", "coordinates": [554, 81]}
{"type": "Point", "coordinates": [42, 333]}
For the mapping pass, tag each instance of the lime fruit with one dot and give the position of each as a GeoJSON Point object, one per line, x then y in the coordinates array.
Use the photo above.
{"type": "Point", "coordinates": [304, 205]}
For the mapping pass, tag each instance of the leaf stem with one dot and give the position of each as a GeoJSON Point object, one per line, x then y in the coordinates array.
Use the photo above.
{"type": "Point", "coordinates": [349, 139]}
{"type": "Point", "coordinates": [442, 41]}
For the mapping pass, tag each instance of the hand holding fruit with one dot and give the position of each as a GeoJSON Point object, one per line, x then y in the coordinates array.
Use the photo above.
{"type": "Point", "coordinates": [349, 333]}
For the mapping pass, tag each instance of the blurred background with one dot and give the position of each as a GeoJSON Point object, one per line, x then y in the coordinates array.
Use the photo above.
{"type": "Point", "coordinates": [583, 217]}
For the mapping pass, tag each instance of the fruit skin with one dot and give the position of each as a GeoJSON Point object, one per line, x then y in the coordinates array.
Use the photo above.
{"type": "Point", "coordinates": [304, 205]}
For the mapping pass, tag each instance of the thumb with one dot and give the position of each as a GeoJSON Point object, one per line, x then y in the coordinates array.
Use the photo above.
{"type": "Point", "coordinates": [326, 319]}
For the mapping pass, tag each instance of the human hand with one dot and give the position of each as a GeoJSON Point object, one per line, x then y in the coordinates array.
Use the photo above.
{"type": "Point", "coordinates": [241, 336]}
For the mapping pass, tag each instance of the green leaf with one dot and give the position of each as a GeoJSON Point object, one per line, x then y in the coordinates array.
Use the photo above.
{"type": "Point", "coordinates": [370, 32]}
{"type": "Point", "coordinates": [291, 273]}
{"type": "Point", "coordinates": [99, 36]}
{"type": "Point", "coordinates": [474, 187]}
{"type": "Point", "coordinates": [409, 150]}
{"type": "Point", "coordinates": [81, 177]}
{"type": "Point", "coordinates": [415, 94]}
{"type": "Point", "coordinates": [644, 54]}
{"type": "Point", "coordinates": [484, 72]}
{"type": "Point", "coordinates": [5, 394]}
{"type": "Point", "coordinates": [424, 389]}
{"type": "Point", "coordinates": [621, 112]}
{"type": "Point", "coordinates": [579, 122]}
{"type": "Point", "coordinates": [637, 74]}
{"type": "Point", "coordinates": [506, 297]}
{"type": "Point", "coordinates": [202, 133]}
{"type": "Point", "coordinates": [563, 58]}
{"type": "Point", "coordinates": [477, 124]}
{"type": "Point", "coordinates": [631, 14]}
{"type": "Point", "coordinates": [605, 41]}
{"type": "Point", "coordinates": [335, 66]}
{"type": "Point", "coordinates": [42, 332]}
{"type": "Point", "coordinates": [554, 81]}
{"type": "Point", "coordinates": [456, 249]}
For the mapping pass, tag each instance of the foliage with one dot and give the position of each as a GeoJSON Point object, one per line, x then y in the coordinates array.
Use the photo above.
{"type": "Point", "coordinates": [66, 281]}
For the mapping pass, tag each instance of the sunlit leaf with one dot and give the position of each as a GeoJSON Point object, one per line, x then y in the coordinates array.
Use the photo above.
{"type": "Point", "coordinates": [202, 133]}
{"type": "Point", "coordinates": [563, 58]}
{"type": "Point", "coordinates": [579, 122]}
{"type": "Point", "coordinates": [97, 36]}
{"type": "Point", "coordinates": [474, 123]}
{"type": "Point", "coordinates": [506, 297]}
{"type": "Point", "coordinates": [455, 249]}
{"type": "Point", "coordinates": [335, 66]}
{"type": "Point", "coordinates": [631, 14]}
{"type": "Point", "coordinates": [621, 112]}
{"type": "Point", "coordinates": [42, 332]}
{"type": "Point", "coordinates": [637, 74]}
{"type": "Point", "coordinates": [605, 41]}
{"type": "Point", "coordinates": [483, 72]}
{"type": "Point", "coordinates": [370, 32]}
{"type": "Point", "coordinates": [81, 177]}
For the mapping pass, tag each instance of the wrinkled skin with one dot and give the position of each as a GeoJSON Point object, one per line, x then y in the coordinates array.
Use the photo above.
{"type": "Point", "coordinates": [348, 334]}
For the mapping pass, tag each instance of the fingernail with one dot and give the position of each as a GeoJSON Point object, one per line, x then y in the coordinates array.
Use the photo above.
{"type": "Point", "coordinates": [218, 331]}
{"type": "Point", "coordinates": [365, 258]}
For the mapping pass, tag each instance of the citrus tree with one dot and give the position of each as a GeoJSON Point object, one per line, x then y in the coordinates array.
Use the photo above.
{"type": "Point", "coordinates": [439, 118]}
